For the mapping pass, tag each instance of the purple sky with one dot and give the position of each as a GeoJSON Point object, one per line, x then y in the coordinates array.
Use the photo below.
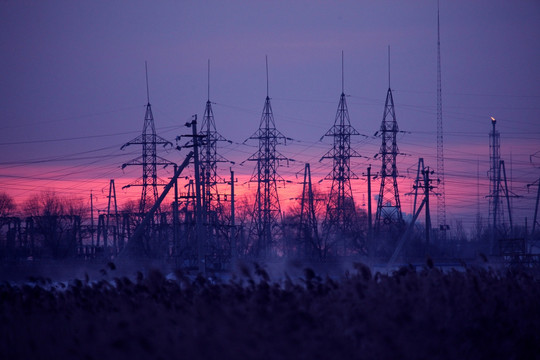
{"type": "Point", "coordinates": [75, 70]}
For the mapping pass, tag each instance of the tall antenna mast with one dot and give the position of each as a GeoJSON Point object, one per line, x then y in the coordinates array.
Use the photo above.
{"type": "Point", "coordinates": [208, 80]}
{"type": "Point", "coordinates": [342, 73]}
{"type": "Point", "coordinates": [389, 66]}
{"type": "Point", "coordinates": [147, 89]}
{"type": "Point", "coordinates": [267, 86]}
{"type": "Point", "coordinates": [441, 203]}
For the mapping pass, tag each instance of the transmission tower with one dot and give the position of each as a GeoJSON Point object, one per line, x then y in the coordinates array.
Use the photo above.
{"type": "Point", "coordinates": [535, 217]}
{"type": "Point", "coordinates": [441, 202]}
{"type": "Point", "coordinates": [208, 164]}
{"type": "Point", "coordinates": [308, 220]}
{"type": "Point", "coordinates": [340, 211]}
{"type": "Point", "coordinates": [149, 160]}
{"type": "Point", "coordinates": [388, 216]}
{"type": "Point", "coordinates": [537, 184]}
{"type": "Point", "coordinates": [494, 160]}
{"type": "Point", "coordinates": [209, 158]}
{"type": "Point", "coordinates": [266, 211]}
{"type": "Point", "coordinates": [498, 191]}
{"type": "Point", "coordinates": [116, 229]}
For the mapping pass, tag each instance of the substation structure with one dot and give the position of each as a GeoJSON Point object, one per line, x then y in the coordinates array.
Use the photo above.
{"type": "Point", "coordinates": [198, 230]}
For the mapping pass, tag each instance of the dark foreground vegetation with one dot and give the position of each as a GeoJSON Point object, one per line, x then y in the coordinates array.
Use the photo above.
{"type": "Point", "coordinates": [409, 314]}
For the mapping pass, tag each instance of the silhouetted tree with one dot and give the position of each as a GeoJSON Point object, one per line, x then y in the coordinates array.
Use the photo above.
{"type": "Point", "coordinates": [57, 220]}
{"type": "Point", "coordinates": [7, 205]}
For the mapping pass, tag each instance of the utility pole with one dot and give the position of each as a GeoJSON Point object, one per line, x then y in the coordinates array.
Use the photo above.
{"type": "Point", "coordinates": [92, 217]}
{"type": "Point", "coordinates": [234, 251]}
{"type": "Point", "coordinates": [198, 213]}
{"type": "Point", "coordinates": [370, 222]}
{"type": "Point", "coordinates": [199, 216]}
{"type": "Point", "coordinates": [176, 245]}
{"type": "Point", "coordinates": [427, 183]}
{"type": "Point", "coordinates": [422, 182]}
{"type": "Point", "coordinates": [133, 245]}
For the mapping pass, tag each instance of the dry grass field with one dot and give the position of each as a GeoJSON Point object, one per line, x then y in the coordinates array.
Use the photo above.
{"type": "Point", "coordinates": [408, 314]}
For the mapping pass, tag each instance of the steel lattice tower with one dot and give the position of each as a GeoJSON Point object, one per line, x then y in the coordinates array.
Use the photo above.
{"type": "Point", "coordinates": [388, 216]}
{"type": "Point", "coordinates": [494, 175]}
{"type": "Point", "coordinates": [537, 184]}
{"type": "Point", "coordinates": [210, 158]}
{"type": "Point", "coordinates": [441, 202]}
{"type": "Point", "coordinates": [308, 220]}
{"type": "Point", "coordinates": [498, 187]}
{"type": "Point", "coordinates": [149, 160]}
{"type": "Point", "coordinates": [266, 211]}
{"type": "Point", "coordinates": [116, 227]}
{"type": "Point", "coordinates": [340, 211]}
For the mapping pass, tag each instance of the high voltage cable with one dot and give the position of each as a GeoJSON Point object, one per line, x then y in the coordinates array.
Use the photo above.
{"type": "Point", "coordinates": [303, 146]}
{"type": "Point", "coordinates": [84, 116]}
{"type": "Point", "coordinates": [63, 139]}
{"type": "Point", "coordinates": [62, 177]}
{"type": "Point", "coordinates": [70, 138]}
{"type": "Point", "coordinates": [469, 94]}
{"type": "Point", "coordinates": [56, 158]}
{"type": "Point", "coordinates": [97, 157]}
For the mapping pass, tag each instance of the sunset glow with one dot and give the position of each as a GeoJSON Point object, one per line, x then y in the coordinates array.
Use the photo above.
{"type": "Point", "coordinates": [68, 112]}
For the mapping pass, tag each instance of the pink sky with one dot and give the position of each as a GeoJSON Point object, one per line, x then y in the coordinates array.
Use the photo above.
{"type": "Point", "coordinates": [74, 87]}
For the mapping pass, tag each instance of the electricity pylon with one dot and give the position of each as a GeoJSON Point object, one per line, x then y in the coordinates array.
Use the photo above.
{"type": "Point", "coordinates": [495, 211]}
{"type": "Point", "coordinates": [388, 217]}
{"type": "Point", "coordinates": [209, 160]}
{"type": "Point", "coordinates": [535, 217]}
{"type": "Point", "coordinates": [308, 220]}
{"type": "Point", "coordinates": [537, 184]}
{"type": "Point", "coordinates": [149, 160]}
{"type": "Point", "coordinates": [266, 216]}
{"type": "Point", "coordinates": [498, 190]}
{"type": "Point", "coordinates": [341, 211]}
{"type": "Point", "coordinates": [216, 232]}
{"type": "Point", "coordinates": [116, 230]}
